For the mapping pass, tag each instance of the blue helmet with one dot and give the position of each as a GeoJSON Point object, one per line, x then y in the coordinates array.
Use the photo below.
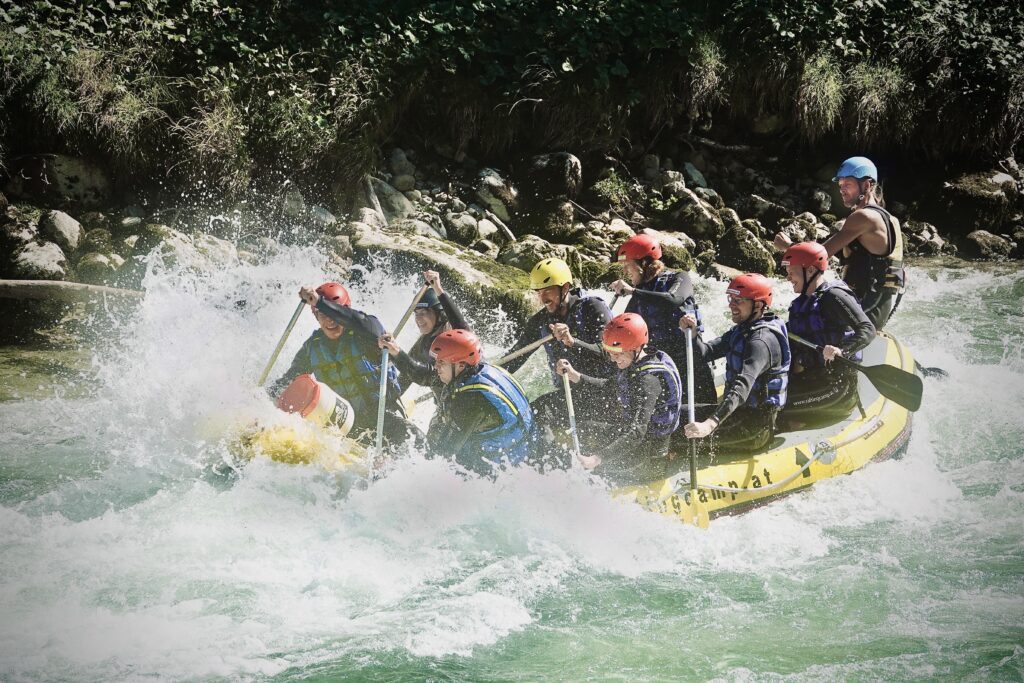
{"type": "Point", "coordinates": [857, 167]}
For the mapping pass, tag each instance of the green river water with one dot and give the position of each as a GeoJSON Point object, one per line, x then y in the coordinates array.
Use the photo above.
{"type": "Point", "coordinates": [129, 551]}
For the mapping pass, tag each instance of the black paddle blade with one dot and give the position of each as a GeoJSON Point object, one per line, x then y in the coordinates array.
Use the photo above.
{"type": "Point", "coordinates": [899, 386]}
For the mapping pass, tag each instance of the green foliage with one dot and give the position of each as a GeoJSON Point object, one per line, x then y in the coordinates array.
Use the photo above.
{"type": "Point", "coordinates": [226, 90]}
{"type": "Point", "coordinates": [619, 193]}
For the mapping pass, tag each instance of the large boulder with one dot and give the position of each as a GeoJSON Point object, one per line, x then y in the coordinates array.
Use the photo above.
{"type": "Point", "coordinates": [528, 250]}
{"type": "Point", "coordinates": [474, 278]}
{"type": "Point", "coordinates": [393, 203]}
{"type": "Point", "coordinates": [769, 213]}
{"type": "Point", "coordinates": [980, 201]}
{"type": "Point", "coordinates": [35, 261]}
{"type": "Point", "coordinates": [743, 250]}
{"type": "Point", "coordinates": [549, 177]}
{"type": "Point", "coordinates": [984, 245]}
{"type": "Point", "coordinates": [62, 229]}
{"type": "Point", "coordinates": [95, 268]}
{"type": "Point", "coordinates": [497, 194]}
{"type": "Point", "coordinates": [462, 227]}
{"type": "Point", "coordinates": [694, 217]}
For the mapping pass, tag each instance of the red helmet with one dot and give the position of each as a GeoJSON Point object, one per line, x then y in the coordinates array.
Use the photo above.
{"type": "Point", "coordinates": [456, 346]}
{"type": "Point", "coordinates": [639, 247]}
{"type": "Point", "coordinates": [332, 291]}
{"type": "Point", "coordinates": [752, 286]}
{"type": "Point", "coordinates": [625, 332]}
{"type": "Point", "coordinates": [806, 255]}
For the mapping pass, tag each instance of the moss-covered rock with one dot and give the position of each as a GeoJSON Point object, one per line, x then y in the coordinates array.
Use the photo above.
{"type": "Point", "coordinates": [979, 201]}
{"type": "Point", "coordinates": [743, 250]}
{"type": "Point", "coordinates": [982, 244]}
{"type": "Point", "coordinates": [474, 278]}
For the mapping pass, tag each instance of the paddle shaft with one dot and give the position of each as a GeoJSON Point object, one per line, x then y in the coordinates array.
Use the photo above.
{"type": "Point", "coordinates": [280, 344]}
{"type": "Point", "coordinates": [691, 411]}
{"type": "Point", "coordinates": [529, 348]}
{"type": "Point", "coordinates": [572, 414]}
{"type": "Point", "coordinates": [382, 396]}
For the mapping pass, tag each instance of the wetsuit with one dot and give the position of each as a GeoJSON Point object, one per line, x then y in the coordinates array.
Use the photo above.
{"type": "Point", "coordinates": [350, 365]}
{"type": "Point", "coordinates": [661, 301]}
{"type": "Point", "coordinates": [483, 420]}
{"type": "Point", "coordinates": [757, 367]}
{"type": "Point", "coordinates": [877, 280]}
{"type": "Point", "coordinates": [586, 317]}
{"type": "Point", "coordinates": [415, 365]}
{"type": "Point", "coordinates": [820, 392]}
{"type": "Point", "coordinates": [633, 445]}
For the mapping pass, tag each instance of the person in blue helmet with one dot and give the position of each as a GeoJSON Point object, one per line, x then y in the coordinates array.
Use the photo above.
{"type": "Point", "coordinates": [435, 313]}
{"type": "Point", "coordinates": [630, 445]}
{"type": "Point", "coordinates": [870, 242]}
{"type": "Point", "coordinates": [484, 421]}
{"type": "Point", "coordinates": [825, 313]}
{"type": "Point", "coordinates": [575, 318]}
{"type": "Point", "coordinates": [343, 354]}
{"type": "Point", "coordinates": [662, 296]}
{"type": "Point", "coordinates": [757, 360]}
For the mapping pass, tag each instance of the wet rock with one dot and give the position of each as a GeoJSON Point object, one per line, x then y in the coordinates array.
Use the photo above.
{"type": "Point", "coordinates": [95, 268]}
{"type": "Point", "coordinates": [369, 217]}
{"type": "Point", "coordinates": [487, 248]}
{"type": "Point", "coordinates": [741, 249]}
{"type": "Point", "coordinates": [529, 249]}
{"type": "Point", "coordinates": [820, 201]}
{"type": "Point", "coordinates": [980, 201]}
{"type": "Point", "coordinates": [496, 193]}
{"type": "Point", "coordinates": [984, 245]}
{"type": "Point", "coordinates": [322, 217]}
{"type": "Point", "coordinates": [420, 227]}
{"type": "Point", "coordinates": [62, 229]}
{"type": "Point", "coordinates": [404, 183]}
{"type": "Point", "coordinates": [462, 227]}
{"type": "Point", "coordinates": [400, 164]}
{"type": "Point", "coordinates": [552, 176]}
{"type": "Point", "coordinates": [769, 213]}
{"type": "Point", "coordinates": [695, 217]}
{"type": "Point", "coordinates": [393, 203]}
{"type": "Point", "coordinates": [35, 261]}
{"type": "Point", "coordinates": [694, 178]}
{"type": "Point", "coordinates": [710, 196]}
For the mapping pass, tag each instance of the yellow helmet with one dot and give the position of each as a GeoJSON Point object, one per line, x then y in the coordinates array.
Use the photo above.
{"type": "Point", "coordinates": [550, 272]}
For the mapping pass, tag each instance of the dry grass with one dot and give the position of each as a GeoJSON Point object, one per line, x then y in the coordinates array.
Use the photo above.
{"type": "Point", "coordinates": [819, 99]}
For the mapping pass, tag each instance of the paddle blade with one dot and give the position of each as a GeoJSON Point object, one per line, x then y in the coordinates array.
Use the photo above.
{"type": "Point", "coordinates": [901, 387]}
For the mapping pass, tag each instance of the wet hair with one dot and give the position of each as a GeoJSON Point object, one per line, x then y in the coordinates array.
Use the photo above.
{"type": "Point", "coordinates": [651, 268]}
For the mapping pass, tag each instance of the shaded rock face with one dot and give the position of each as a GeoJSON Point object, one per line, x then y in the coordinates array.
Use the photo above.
{"type": "Point", "coordinates": [549, 177]}
{"type": "Point", "coordinates": [741, 249]}
{"type": "Point", "coordinates": [980, 201]}
{"type": "Point", "coordinates": [57, 178]}
{"type": "Point", "coordinates": [983, 244]}
{"type": "Point", "coordinates": [767, 212]}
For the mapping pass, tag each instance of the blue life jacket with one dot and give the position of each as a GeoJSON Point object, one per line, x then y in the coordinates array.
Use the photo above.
{"type": "Point", "coordinates": [668, 409]}
{"type": "Point", "coordinates": [347, 371]}
{"type": "Point", "coordinates": [584, 361]}
{"type": "Point", "coordinates": [770, 387]}
{"type": "Point", "coordinates": [512, 439]}
{"type": "Point", "coordinates": [807, 321]}
{"type": "Point", "coordinates": [662, 318]}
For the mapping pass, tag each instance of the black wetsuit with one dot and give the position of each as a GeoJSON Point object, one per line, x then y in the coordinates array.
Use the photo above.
{"type": "Point", "coordinates": [415, 365]}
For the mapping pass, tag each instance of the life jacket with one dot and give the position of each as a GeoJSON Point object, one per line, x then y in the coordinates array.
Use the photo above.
{"type": "Point", "coordinates": [770, 387]}
{"type": "Point", "coordinates": [807, 321]}
{"type": "Point", "coordinates": [868, 274]}
{"type": "Point", "coordinates": [584, 361]}
{"type": "Point", "coordinates": [663, 319]}
{"type": "Point", "coordinates": [511, 440]}
{"type": "Point", "coordinates": [349, 373]}
{"type": "Point", "coordinates": [668, 409]}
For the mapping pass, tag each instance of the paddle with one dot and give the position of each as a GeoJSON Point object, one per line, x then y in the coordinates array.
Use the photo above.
{"type": "Point", "coordinates": [701, 517]}
{"type": "Point", "coordinates": [383, 390]}
{"type": "Point", "coordinates": [899, 386]}
{"type": "Point", "coordinates": [529, 348]}
{"type": "Point", "coordinates": [280, 344]}
{"type": "Point", "coordinates": [572, 415]}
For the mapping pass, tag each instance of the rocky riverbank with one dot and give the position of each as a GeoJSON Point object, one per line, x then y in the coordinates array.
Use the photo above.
{"type": "Point", "coordinates": [715, 208]}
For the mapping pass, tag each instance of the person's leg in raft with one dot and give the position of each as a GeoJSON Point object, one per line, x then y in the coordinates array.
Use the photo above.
{"type": "Point", "coordinates": [819, 397]}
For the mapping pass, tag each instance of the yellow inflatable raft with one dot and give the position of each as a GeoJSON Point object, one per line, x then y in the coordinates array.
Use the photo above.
{"type": "Point", "coordinates": [875, 430]}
